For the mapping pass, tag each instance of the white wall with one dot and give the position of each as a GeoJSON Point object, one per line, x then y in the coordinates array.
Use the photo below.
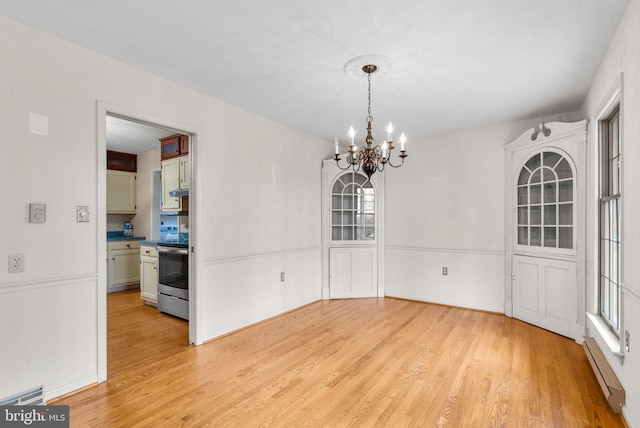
{"type": "Point", "coordinates": [445, 208]}
{"type": "Point", "coordinates": [622, 57]}
{"type": "Point", "coordinates": [256, 188]}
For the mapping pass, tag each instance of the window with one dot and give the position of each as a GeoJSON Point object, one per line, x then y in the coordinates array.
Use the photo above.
{"type": "Point", "coordinates": [352, 208]}
{"type": "Point", "coordinates": [545, 202]}
{"type": "Point", "coordinates": [610, 220]}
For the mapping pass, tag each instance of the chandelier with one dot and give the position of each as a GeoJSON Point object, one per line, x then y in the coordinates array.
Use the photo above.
{"type": "Point", "coordinates": [370, 158]}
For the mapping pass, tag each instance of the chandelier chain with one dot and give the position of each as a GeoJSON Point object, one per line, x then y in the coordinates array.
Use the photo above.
{"type": "Point", "coordinates": [369, 117]}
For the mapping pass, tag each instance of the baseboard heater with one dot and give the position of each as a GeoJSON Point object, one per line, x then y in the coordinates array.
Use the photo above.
{"type": "Point", "coordinates": [609, 383]}
{"type": "Point", "coordinates": [32, 397]}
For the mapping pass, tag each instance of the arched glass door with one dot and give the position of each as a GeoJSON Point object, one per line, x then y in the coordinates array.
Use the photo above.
{"type": "Point", "coordinates": [353, 216]}
{"type": "Point", "coordinates": [545, 199]}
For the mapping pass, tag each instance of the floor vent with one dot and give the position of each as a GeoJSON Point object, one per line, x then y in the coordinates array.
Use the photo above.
{"type": "Point", "coordinates": [609, 383]}
{"type": "Point", "coordinates": [32, 397]}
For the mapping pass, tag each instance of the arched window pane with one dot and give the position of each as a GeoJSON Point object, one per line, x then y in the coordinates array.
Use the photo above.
{"type": "Point", "coordinates": [551, 159]}
{"type": "Point", "coordinates": [545, 202]}
{"type": "Point", "coordinates": [548, 175]}
{"type": "Point", "coordinates": [535, 177]}
{"type": "Point", "coordinates": [352, 208]}
{"type": "Point", "coordinates": [533, 163]}
{"type": "Point", "coordinates": [564, 169]}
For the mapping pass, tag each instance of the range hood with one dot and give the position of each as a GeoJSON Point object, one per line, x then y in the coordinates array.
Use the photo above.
{"type": "Point", "coordinates": [184, 202]}
{"type": "Point", "coordinates": [179, 193]}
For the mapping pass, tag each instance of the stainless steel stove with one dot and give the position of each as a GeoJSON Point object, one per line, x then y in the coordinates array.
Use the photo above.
{"type": "Point", "coordinates": [173, 277]}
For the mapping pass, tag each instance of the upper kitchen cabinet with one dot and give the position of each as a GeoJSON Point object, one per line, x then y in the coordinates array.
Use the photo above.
{"type": "Point", "coordinates": [121, 182]}
{"type": "Point", "coordinates": [175, 183]}
{"type": "Point", "coordinates": [119, 161]}
{"type": "Point", "coordinates": [174, 146]}
{"type": "Point", "coordinates": [185, 171]}
{"type": "Point", "coordinates": [121, 192]}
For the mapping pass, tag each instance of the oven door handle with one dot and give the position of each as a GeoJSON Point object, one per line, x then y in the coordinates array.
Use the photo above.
{"type": "Point", "coordinates": [172, 250]}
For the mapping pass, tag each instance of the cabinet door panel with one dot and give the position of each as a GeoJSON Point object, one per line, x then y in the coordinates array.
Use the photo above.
{"type": "Point", "coordinates": [170, 181]}
{"type": "Point", "coordinates": [184, 172]}
{"type": "Point", "coordinates": [121, 192]}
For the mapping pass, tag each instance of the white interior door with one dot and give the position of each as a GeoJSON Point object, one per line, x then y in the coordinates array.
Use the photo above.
{"type": "Point", "coordinates": [545, 228]}
{"type": "Point", "coordinates": [352, 272]}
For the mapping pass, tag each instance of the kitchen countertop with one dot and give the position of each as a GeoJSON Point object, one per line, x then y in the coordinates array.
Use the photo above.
{"type": "Point", "coordinates": [150, 243]}
{"type": "Point", "coordinates": [118, 236]}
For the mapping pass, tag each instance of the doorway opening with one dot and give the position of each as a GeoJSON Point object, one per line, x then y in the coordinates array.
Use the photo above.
{"type": "Point", "coordinates": [124, 132]}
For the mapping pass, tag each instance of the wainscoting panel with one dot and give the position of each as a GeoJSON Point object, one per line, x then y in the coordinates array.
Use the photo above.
{"type": "Point", "coordinates": [48, 332]}
{"type": "Point", "coordinates": [475, 278]}
{"type": "Point", "coordinates": [241, 290]}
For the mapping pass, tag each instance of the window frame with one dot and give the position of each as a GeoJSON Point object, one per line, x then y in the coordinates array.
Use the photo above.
{"type": "Point", "coordinates": [610, 196]}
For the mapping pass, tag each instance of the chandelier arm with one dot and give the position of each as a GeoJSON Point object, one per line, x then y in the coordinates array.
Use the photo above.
{"type": "Point", "coordinates": [402, 156]}
{"type": "Point", "coordinates": [337, 158]}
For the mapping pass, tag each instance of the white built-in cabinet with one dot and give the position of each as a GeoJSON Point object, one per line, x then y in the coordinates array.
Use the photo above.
{"type": "Point", "coordinates": [123, 265]}
{"type": "Point", "coordinates": [175, 176]}
{"type": "Point", "coordinates": [121, 192]}
{"type": "Point", "coordinates": [149, 274]}
{"type": "Point", "coordinates": [545, 227]}
{"type": "Point", "coordinates": [352, 216]}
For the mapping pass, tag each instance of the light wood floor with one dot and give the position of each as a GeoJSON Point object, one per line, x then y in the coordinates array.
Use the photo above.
{"type": "Point", "coordinates": [365, 362]}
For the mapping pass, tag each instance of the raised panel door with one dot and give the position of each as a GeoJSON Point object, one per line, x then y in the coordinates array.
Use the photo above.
{"type": "Point", "coordinates": [121, 192]}
{"type": "Point", "coordinates": [185, 172]}
{"type": "Point", "coordinates": [544, 292]}
{"type": "Point", "coordinates": [170, 181]}
{"type": "Point", "coordinates": [352, 272]}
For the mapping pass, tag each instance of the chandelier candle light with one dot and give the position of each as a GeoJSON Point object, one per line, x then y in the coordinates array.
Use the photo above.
{"type": "Point", "coordinates": [370, 158]}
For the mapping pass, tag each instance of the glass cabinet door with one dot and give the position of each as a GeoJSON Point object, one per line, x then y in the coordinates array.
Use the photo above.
{"type": "Point", "coordinates": [352, 208]}
{"type": "Point", "coordinates": [545, 195]}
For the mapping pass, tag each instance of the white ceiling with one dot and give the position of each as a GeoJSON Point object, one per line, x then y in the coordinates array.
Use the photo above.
{"type": "Point", "coordinates": [132, 137]}
{"type": "Point", "coordinates": [455, 63]}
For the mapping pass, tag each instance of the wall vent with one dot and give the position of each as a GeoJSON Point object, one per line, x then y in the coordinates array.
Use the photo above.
{"type": "Point", "coordinates": [609, 383]}
{"type": "Point", "coordinates": [32, 397]}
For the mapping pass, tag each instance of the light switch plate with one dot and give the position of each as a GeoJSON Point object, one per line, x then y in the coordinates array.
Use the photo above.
{"type": "Point", "coordinates": [38, 124]}
{"type": "Point", "coordinates": [37, 213]}
{"type": "Point", "coordinates": [82, 213]}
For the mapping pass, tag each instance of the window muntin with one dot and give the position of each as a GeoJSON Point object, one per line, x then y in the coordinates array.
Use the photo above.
{"type": "Point", "coordinates": [352, 208]}
{"type": "Point", "coordinates": [545, 202]}
{"type": "Point", "coordinates": [610, 210]}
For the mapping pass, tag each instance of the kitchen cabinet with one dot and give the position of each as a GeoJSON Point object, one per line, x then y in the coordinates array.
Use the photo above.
{"type": "Point", "coordinates": [121, 192]}
{"type": "Point", "coordinates": [174, 146]}
{"type": "Point", "coordinates": [120, 161]}
{"type": "Point", "coordinates": [185, 172]}
{"type": "Point", "coordinates": [123, 265]}
{"type": "Point", "coordinates": [149, 274]}
{"type": "Point", "coordinates": [175, 176]}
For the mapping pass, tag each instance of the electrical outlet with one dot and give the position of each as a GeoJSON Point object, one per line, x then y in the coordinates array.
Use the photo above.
{"type": "Point", "coordinates": [281, 276]}
{"type": "Point", "coordinates": [16, 263]}
{"type": "Point", "coordinates": [445, 271]}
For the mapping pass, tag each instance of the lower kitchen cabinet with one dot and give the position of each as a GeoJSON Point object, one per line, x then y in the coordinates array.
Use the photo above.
{"type": "Point", "coordinates": [123, 265]}
{"type": "Point", "coordinates": [149, 274]}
